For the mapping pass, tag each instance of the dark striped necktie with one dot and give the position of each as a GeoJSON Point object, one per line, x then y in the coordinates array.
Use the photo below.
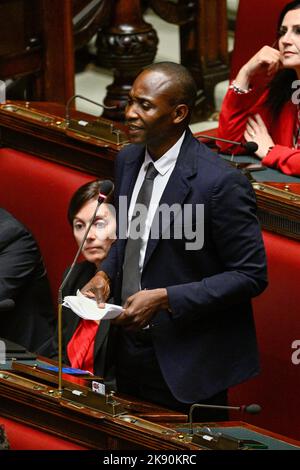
{"type": "Point", "coordinates": [131, 270]}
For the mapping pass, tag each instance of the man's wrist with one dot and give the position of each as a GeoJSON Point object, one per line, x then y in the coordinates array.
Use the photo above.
{"type": "Point", "coordinates": [107, 281]}
{"type": "Point", "coordinates": [164, 298]}
{"type": "Point", "coordinates": [105, 276]}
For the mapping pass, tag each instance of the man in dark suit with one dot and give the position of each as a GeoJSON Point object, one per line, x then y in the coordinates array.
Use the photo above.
{"type": "Point", "coordinates": [23, 279]}
{"type": "Point", "coordinates": [187, 332]}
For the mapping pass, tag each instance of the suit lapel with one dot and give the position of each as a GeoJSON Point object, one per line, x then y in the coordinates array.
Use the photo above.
{"type": "Point", "coordinates": [129, 175]}
{"type": "Point", "coordinates": [132, 167]}
{"type": "Point", "coordinates": [177, 189]}
{"type": "Point", "coordinates": [101, 336]}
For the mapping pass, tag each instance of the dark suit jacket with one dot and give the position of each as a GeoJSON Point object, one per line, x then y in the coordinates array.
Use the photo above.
{"type": "Point", "coordinates": [81, 274]}
{"type": "Point", "coordinates": [208, 342]}
{"type": "Point", "coordinates": [23, 278]}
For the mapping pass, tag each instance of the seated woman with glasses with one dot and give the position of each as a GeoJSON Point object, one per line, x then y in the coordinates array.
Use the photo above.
{"type": "Point", "coordinates": [85, 342]}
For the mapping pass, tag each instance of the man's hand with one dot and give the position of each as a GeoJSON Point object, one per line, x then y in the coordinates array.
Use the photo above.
{"type": "Point", "coordinates": [98, 288]}
{"type": "Point", "coordinates": [140, 308]}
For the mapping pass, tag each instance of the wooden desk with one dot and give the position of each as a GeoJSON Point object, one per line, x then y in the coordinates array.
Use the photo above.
{"type": "Point", "coordinates": [42, 129]}
{"type": "Point", "coordinates": [29, 396]}
{"type": "Point", "coordinates": [276, 310]}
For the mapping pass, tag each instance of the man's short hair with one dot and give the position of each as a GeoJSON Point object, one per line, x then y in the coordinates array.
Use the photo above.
{"type": "Point", "coordinates": [181, 79]}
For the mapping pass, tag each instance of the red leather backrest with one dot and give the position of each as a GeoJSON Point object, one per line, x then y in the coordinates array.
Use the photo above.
{"type": "Point", "coordinates": [22, 437]}
{"type": "Point", "coordinates": [37, 192]}
{"type": "Point", "coordinates": [277, 322]}
{"type": "Point", "coordinates": [256, 26]}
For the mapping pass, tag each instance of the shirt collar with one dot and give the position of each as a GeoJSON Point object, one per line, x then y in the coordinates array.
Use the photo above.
{"type": "Point", "coordinates": [167, 160]}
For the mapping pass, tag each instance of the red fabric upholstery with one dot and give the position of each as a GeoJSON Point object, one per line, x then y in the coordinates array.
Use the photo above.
{"type": "Point", "coordinates": [256, 26]}
{"type": "Point", "coordinates": [37, 192]}
{"type": "Point", "coordinates": [22, 437]}
{"type": "Point", "coordinates": [277, 309]}
{"type": "Point", "coordinates": [277, 387]}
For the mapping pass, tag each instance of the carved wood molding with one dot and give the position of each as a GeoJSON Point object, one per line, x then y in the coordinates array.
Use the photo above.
{"type": "Point", "coordinates": [126, 45]}
{"type": "Point", "coordinates": [179, 13]}
{"type": "Point", "coordinates": [88, 18]}
{"type": "Point", "coordinates": [128, 52]}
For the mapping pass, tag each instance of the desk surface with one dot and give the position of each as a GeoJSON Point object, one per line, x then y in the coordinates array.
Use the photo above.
{"type": "Point", "coordinates": [277, 194]}
{"type": "Point", "coordinates": [266, 174]}
{"type": "Point", "coordinates": [124, 423]}
{"type": "Point", "coordinates": [243, 431]}
{"type": "Point", "coordinates": [39, 129]}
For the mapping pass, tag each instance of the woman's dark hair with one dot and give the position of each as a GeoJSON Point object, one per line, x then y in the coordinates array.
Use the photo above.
{"type": "Point", "coordinates": [288, 7]}
{"type": "Point", "coordinates": [84, 194]}
{"type": "Point", "coordinates": [280, 90]}
{"type": "Point", "coordinates": [280, 87]}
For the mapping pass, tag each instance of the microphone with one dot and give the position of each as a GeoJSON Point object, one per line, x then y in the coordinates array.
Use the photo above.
{"type": "Point", "coordinates": [252, 409]}
{"type": "Point", "coordinates": [250, 146]}
{"type": "Point", "coordinates": [106, 189]}
{"type": "Point", "coordinates": [70, 100]}
{"type": "Point", "coordinates": [6, 304]}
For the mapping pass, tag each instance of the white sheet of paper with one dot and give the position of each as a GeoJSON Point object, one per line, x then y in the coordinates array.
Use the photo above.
{"type": "Point", "coordinates": [87, 308]}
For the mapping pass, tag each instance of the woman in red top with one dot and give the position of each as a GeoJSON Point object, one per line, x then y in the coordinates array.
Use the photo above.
{"type": "Point", "coordinates": [262, 103]}
{"type": "Point", "coordinates": [85, 342]}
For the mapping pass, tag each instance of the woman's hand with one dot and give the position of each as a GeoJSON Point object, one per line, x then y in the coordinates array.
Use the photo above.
{"type": "Point", "coordinates": [266, 60]}
{"type": "Point", "coordinates": [256, 131]}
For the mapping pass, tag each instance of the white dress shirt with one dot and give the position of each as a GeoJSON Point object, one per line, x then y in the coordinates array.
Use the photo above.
{"type": "Point", "coordinates": [164, 165]}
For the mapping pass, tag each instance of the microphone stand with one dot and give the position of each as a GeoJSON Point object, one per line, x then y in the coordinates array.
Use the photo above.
{"type": "Point", "coordinates": [101, 199]}
{"type": "Point", "coordinates": [211, 137]}
{"type": "Point", "coordinates": [70, 100]}
{"type": "Point", "coordinates": [208, 439]}
{"type": "Point", "coordinates": [252, 409]}
{"type": "Point", "coordinates": [251, 147]}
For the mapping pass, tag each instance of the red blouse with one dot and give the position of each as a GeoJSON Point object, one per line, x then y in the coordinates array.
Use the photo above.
{"type": "Point", "coordinates": [236, 109]}
{"type": "Point", "coordinates": [80, 348]}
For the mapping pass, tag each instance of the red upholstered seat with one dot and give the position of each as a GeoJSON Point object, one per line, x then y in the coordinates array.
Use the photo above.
{"type": "Point", "coordinates": [37, 192]}
{"type": "Point", "coordinates": [277, 311]}
{"type": "Point", "coordinates": [22, 437]}
{"type": "Point", "coordinates": [256, 25]}
{"type": "Point", "coordinates": [277, 387]}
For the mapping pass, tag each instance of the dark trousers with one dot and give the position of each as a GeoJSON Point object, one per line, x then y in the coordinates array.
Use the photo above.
{"type": "Point", "coordinates": [138, 374]}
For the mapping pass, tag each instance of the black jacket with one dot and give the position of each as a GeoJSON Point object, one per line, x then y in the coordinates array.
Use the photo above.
{"type": "Point", "coordinates": [23, 279]}
{"type": "Point", "coordinates": [208, 342]}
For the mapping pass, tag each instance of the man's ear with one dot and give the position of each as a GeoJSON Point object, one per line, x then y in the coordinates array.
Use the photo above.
{"type": "Point", "coordinates": [180, 113]}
